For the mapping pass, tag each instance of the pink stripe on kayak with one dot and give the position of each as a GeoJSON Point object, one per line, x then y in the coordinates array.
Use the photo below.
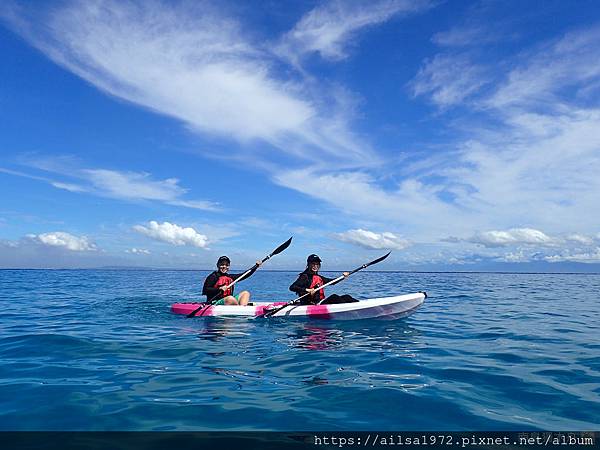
{"type": "Point", "coordinates": [205, 313]}
{"type": "Point", "coordinates": [260, 310]}
{"type": "Point", "coordinates": [186, 308]}
{"type": "Point", "coordinates": [318, 311]}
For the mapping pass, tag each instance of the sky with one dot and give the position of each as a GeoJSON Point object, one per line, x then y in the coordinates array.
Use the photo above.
{"type": "Point", "coordinates": [459, 135]}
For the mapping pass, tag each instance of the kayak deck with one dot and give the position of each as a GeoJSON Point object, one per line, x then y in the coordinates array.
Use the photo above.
{"type": "Point", "coordinates": [385, 307]}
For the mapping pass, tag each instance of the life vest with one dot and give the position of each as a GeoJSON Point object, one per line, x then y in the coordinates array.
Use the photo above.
{"type": "Point", "coordinates": [224, 280]}
{"type": "Point", "coordinates": [316, 282]}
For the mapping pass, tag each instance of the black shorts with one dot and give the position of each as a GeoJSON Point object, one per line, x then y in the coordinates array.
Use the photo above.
{"type": "Point", "coordinates": [334, 299]}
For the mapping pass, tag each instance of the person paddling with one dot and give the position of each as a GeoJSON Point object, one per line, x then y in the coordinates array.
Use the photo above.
{"type": "Point", "coordinates": [218, 284]}
{"type": "Point", "coordinates": [310, 280]}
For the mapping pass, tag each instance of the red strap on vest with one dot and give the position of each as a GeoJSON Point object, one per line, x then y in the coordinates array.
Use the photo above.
{"type": "Point", "coordinates": [316, 282]}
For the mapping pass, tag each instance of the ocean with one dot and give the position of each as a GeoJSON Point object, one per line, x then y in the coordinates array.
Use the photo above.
{"type": "Point", "coordinates": [100, 350]}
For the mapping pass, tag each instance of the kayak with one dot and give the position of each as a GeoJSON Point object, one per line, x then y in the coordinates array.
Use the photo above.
{"type": "Point", "coordinates": [385, 307]}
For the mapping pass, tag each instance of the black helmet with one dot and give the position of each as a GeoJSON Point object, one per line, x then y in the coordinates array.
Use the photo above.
{"type": "Point", "coordinates": [223, 258]}
{"type": "Point", "coordinates": [312, 259]}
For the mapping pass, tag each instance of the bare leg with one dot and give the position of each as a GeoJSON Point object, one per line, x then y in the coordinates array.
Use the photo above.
{"type": "Point", "coordinates": [244, 298]}
{"type": "Point", "coordinates": [230, 300]}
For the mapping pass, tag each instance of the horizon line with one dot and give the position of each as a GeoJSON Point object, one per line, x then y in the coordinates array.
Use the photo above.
{"type": "Point", "coordinates": [151, 269]}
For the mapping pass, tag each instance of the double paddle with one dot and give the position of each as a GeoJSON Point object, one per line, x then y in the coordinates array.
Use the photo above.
{"type": "Point", "coordinates": [278, 250]}
{"type": "Point", "coordinates": [272, 312]}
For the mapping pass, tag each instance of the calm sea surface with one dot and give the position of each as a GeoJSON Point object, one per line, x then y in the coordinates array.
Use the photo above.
{"type": "Point", "coordinates": [100, 350]}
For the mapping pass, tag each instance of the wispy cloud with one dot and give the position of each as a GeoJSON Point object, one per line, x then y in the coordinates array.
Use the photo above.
{"type": "Point", "coordinates": [482, 23]}
{"type": "Point", "coordinates": [329, 28]}
{"type": "Point", "coordinates": [519, 166]}
{"type": "Point", "coordinates": [57, 184]}
{"type": "Point", "coordinates": [580, 239]}
{"type": "Point", "coordinates": [371, 240]}
{"type": "Point", "coordinates": [138, 251]}
{"type": "Point", "coordinates": [527, 244]}
{"type": "Point", "coordinates": [172, 234]}
{"type": "Point", "coordinates": [515, 236]}
{"type": "Point", "coordinates": [68, 186]}
{"type": "Point", "coordinates": [191, 62]}
{"type": "Point", "coordinates": [592, 256]}
{"type": "Point", "coordinates": [449, 79]}
{"type": "Point", "coordinates": [140, 186]}
{"type": "Point", "coordinates": [543, 74]}
{"type": "Point", "coordinates": [359, 194]}
{"type": "Point", "coordinates": [536, 78]}
{"type": "Point", "coordinates": [64, 240]}
{"type": "Point", "coordinates": [129, 186]}
{"type": "Point", "coordinates": [463, 36]}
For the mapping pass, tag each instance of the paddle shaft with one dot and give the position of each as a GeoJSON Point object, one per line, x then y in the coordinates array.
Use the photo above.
{"type": "Point", "coordinates": [338, 279]}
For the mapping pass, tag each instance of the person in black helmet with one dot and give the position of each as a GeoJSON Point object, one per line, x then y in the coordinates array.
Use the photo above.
{"type": "Point", "coordinates": [310, 280]}
{"type": "Point", "coordinates": [218, 284]}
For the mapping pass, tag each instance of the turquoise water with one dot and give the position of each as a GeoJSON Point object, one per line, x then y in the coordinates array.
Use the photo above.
{"type": "Point", "coordinates": [99, 350]}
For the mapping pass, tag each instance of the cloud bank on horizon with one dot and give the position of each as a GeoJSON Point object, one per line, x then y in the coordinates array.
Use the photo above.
{"type": "Point", "coordinates": [372, 125]}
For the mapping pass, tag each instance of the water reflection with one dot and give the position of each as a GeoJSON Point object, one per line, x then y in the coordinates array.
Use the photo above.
{"type": "Point", "coordinates": [265, 339]}
{"type": "Point", "coordinates": [314, 337]}
{"type": "Point", "coordinates": [215, 328]}
{"type": "Point", "coordinates": [356, 335]}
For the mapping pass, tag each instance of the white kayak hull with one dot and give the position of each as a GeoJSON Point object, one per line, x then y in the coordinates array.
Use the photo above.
{"type": "Point", "coordinates": [385, 307]}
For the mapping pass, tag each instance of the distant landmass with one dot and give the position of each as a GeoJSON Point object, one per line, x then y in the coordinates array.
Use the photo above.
{"type": "Point", "coordinates": [530, 267]}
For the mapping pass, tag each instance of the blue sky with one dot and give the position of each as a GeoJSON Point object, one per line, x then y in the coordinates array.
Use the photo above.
{"type": "Point", "coordinates": [459, 135]}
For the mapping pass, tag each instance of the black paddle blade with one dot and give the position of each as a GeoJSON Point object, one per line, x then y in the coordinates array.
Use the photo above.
{"type": "Point", "coordinates": [378, 260]}
{"type": "Point", "coordinates": [375, 261]}
{"type": "Point", "coordinates": [282, 247]}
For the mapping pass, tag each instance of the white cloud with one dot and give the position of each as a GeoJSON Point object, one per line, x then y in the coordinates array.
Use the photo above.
{"type": "Point", "coordinates": [328, 28]}
{"type": "Point", "coordinates": [580, 239]}
{"type": "Point", "coordinates": [190, 62]}
{"type": "Point", "coordinates": [539, 170]}
{"type": "Point", "coordinates": [57, 184]}
{"type": "Point", "coordinates": [371, 240]}
{"type": "Point", "coordinates": [138, 251]}
{"type": "Point", "coordinates": [139, 186]}
{"type": "Point", "coordinates": [515, 257]}
{"type": "Point", "coordinates": [131, 186]}
{"type": "Point", "coordinates": [515, 236]}
{"type": "Point", "coordinates": [173, 234]}
{"type": "Point", "coordinates": [9, 244]}
{"type": "Point", "coordinates": [476, 28]}
{"type": "Point", "coordinates": [532, 164]}
{"type": "Point", "coordinates": [462, 36]}
{"type": "Point", "coordinates": [68, 186]}
{"type": "Point", "coordinates": [533, 81]}
{"type": "Point", "coordinates": [545, 71]}
{"type": "Point", "coordinates": [64, 240]}
{"type": "Point", "coordinates": [593, 256]}
{"type": "Point", "coordinates": [534, 245]}
{"type": "Point", "coordinates": [409, 203]}
{"type": "Point", "coordinates": [196, 204]}
{"type": "Point", "coordinates": [449, 79]}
